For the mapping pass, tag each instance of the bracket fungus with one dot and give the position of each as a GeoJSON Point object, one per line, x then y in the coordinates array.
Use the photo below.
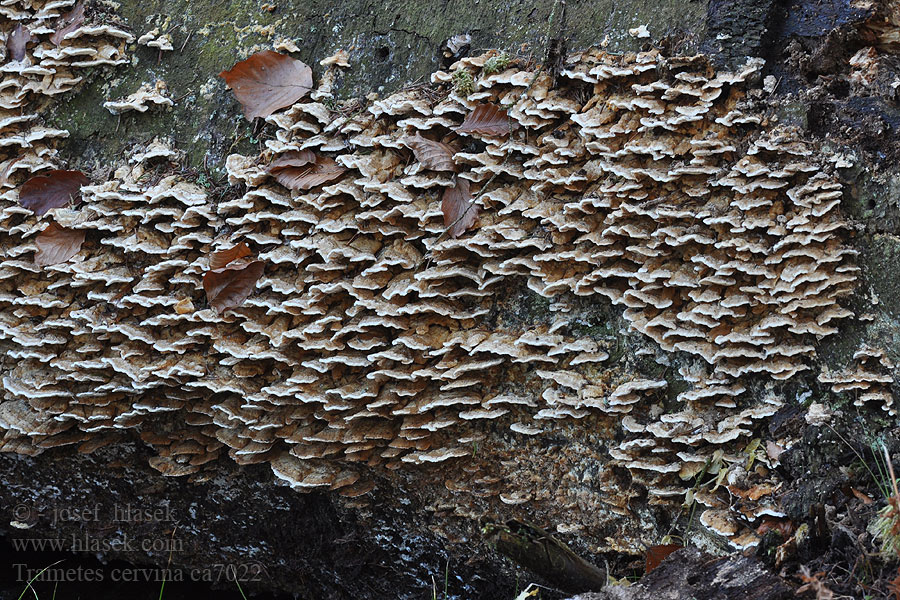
{"type": "Point", "coordinates": [870, 381]}
{"type": "Point", "coordinates": [142, 100]}
{"type": "Point", "coordinates": [359, 343]}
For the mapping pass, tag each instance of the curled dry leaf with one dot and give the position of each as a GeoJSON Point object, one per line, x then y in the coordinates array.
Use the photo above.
{"type": "Point", "coordinates": [783, 526]}
{"type": "Point", "coordinates": [17, 41]}
{"type": "Point", "coordinates": [53, 189]}
{"type": "Point", "coordinates": [861, 496]}
{"type": "Point", "coordinates": [68, 23]}
{"type": "Point", "coordinates": [813, 582]}
{"type": "Point", "coordinates": [56, 244]}
{"type": "Point", "coordinates": [228, 288]}
{"type": "Point", "coordinates": [657, 554]}
{"type": "Point", "coordinates": [486, 119]}
{"type": "Point", "coordinates": [268, 81]}
{"type": "Point", "coordinates": [894, 586]}
{"type": "Point", "coordinates": [219, 260]}
{"type": "Point", "coordinates": [754, 493]}
{"type": "Point", "coordinates": [773, 450]}
{"type": "Point", "coordinates": [433, 155]}
{"type": "Point", "coordinates": [306, 177]}
{"type": "Point", "coordinates": [231, 279]}
{"type": "Point", "coordinates": [459, 209]}
{"type": "Point", "coordinates": [294, 158]}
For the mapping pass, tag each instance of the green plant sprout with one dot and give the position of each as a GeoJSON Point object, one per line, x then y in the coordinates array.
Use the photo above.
{"type": "Point", "coordinates": [32, 580]}
{"type": "Point", "coordinates": [463, 82]}
{"type": "Point", "coordinates": [496, 64]}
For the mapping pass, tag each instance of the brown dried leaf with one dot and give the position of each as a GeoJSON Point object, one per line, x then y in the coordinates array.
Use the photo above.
{"type": "Point", "coordinates": [308, 177]}
{"type": "Point", "coordinates": [294, 158]}
{"type": "Point", "coordinates": [433, 155]}
{"type": "Point", "coordinates": [894, 586]}
{"type": "Point", "coordinates": [53, 189]}
{"type": "Point", "coordinates": [657, 554]}
{"type": "Point", "coordinates": [486, 119]}
{"type": "Point", "coordinates": [459, 210]}
{"type": "Point", "coordinates": [57, 244]}
{"type": "Point", "coordinates": [773, 450]}
{"type": "Point", "coordinates": [812, 582]}
{"type": "Point", "coordinates": [219, 260]}
{"type": "Point", "coordinates": [68, 23]}
{"type": "Point", "coordinates": [754, 493]}
{"type": "Point", "coordinates": [268, 81]}
{"type": "Point", "coordinates": [862, 496]}
{"type": "Point", "coordinates": [228, 288]}
{"type": "Point", "coordinates": [783, 526]}
{"type": "Point", "coordinates": [17, 41]}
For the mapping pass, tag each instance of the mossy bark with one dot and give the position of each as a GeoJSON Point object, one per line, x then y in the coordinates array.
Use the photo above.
{"type": "Point", "coordinates": [391, 44]}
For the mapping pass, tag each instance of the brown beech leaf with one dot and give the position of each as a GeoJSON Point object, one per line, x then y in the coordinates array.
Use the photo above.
{"type": "Point", "coordinates": [268, 81]}
{"type": "Point", "coordinates": [486, 119]}
{"type": "Point", "coordinates": [433, 155]}
{"type": "Point", "coordinates": [16, 42]}
{"type": "Point", "coordinates": [309, 176]}
{"type": "Point", "coordinates": [862, 496]}
{"type": "Point", "coordinates": [894, 586]}
{"type": "Point", "coordinates": [219, 260]}
{"type": "Point", "coordinates": [657, 554]}
{"type": "Point", "coordinates": [57, 244]}
{"type": "Point", "coordinates": [228, 288]}
{"type": "Point", "coordinates": [458, 208]}
{"type": "Point", "coordinates": [773, 450]}
{"type": "Point", "coordinates": [754, 493]}
{"type": "Point", "coordinates": [68, 23]}
{"type": "Point", "coordinates": [783, 526]}
{"type": "Point", "coordinates": [812, 582]}
{"type": "Point", "coordinates": [294, 158]}
{"type": "Point", "coordinates": [53, 189]}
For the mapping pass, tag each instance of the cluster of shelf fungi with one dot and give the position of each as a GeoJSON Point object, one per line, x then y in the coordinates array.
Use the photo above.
{"type": "Point", "coordinates": [364, 349]}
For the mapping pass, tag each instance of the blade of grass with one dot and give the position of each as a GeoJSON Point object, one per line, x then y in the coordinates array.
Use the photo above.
{"type": "Point", "coordinates": [446, 579]}
{"type": "Point", "coordinates": [880, 482]}
{"type": "Point", "coordinates": [32, 580]}
{"type": "Point", "coordinates": [883, 474]}
{"type": "Point", "coordinates": [238, 583]}
{"type": "Point", "coordinates": [168, 564]}
{"type": "Point", "coordinates": [890, 466]}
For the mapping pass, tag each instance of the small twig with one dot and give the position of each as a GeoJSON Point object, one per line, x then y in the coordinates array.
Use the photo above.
{"type": "Point", "coordinates": [171, 27]}
{"type": "Point", "coordinates": [186, 40]}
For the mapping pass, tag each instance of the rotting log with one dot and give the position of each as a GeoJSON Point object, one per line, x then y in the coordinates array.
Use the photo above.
{"type": "Point", "coordinates": [207, 124]}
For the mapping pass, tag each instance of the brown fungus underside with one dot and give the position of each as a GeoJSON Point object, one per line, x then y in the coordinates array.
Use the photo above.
{"type": "Point", "coordinates": [363, 349]}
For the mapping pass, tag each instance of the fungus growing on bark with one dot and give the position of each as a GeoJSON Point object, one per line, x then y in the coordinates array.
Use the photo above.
{"type": "Point", "coordinates": [141, 100]}
{"type": "Point", "coordinates": [371, 339]}
{"type": "Point", "coordinates": [870, 381]}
